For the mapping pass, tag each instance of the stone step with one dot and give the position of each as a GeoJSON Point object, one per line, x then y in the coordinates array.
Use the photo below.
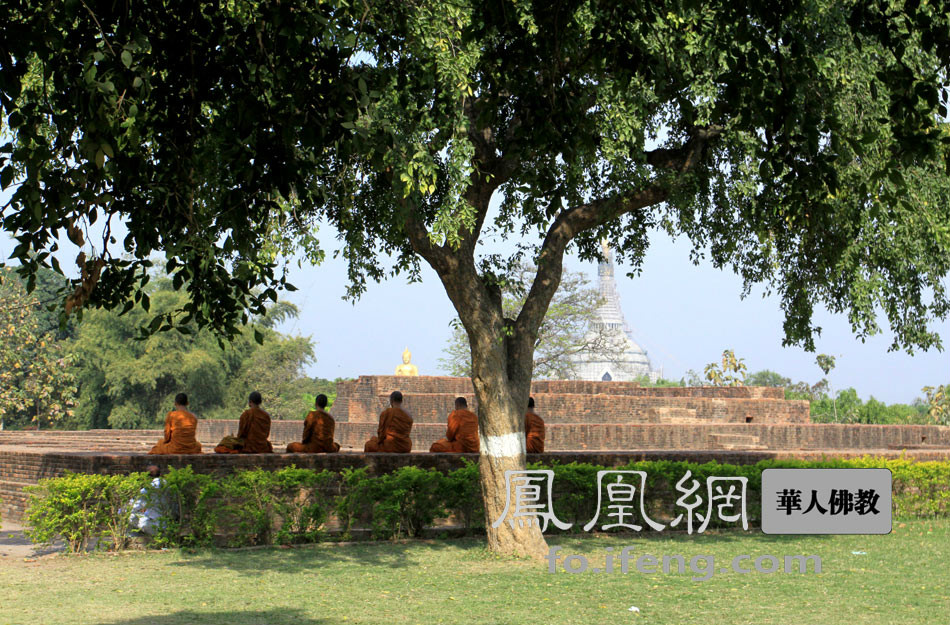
{"type": "Point", "coordinates": [684, 420]}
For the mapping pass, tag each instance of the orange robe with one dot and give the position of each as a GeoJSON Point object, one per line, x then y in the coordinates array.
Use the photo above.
{"type": "Point", "coordinates": [253, 430]}
{"type": "Point", "coordinates": [534, 433]}
{"type": "Point", "coordinates": [317, 434]}
{"type": "Point", "coordinates": [180, 427]}
{"type": "Point", "coordinates": [461, 434]}
{"type": "Point", "coordinates": [393, 433]}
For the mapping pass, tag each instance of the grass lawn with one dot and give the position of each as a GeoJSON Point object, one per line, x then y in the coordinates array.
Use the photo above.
{"type": "Point", "coordinates": [900, 578]}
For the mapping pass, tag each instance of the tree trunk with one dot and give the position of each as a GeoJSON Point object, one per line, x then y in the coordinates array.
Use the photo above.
{"type": "Point", "coordinates": [502, 402]}
{"type": "Point", "coordinates": [501, 372]}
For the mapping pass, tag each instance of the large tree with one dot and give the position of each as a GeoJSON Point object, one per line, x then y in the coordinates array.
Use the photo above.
{"type": "Point", "coordinates": [797, 143]}
{"type": "Point", "coordinates": [37, 382]}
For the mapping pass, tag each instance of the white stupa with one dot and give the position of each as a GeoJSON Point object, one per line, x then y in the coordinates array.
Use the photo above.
{"type": "Point", "coordinates": [628, 361]}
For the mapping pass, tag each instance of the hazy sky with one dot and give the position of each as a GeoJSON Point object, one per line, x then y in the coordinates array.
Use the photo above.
{"type": "Point", "coordinates": [683, 315]}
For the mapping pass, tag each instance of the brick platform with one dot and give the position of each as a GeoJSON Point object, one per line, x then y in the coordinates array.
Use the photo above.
{"type": "Point", "coordinates": [607, 423]}
{"type": "Point", "coordinates": [789, 437]}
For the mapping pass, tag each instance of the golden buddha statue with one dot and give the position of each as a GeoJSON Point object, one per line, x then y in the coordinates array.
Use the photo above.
{"type": "Point", "coordinates": [406, 368]}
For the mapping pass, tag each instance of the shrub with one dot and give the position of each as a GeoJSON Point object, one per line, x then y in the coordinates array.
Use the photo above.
{"type": "Point", "coordinates": [117, 495]}
{"type": "Point", "coordinates": [401, 503]}
{"type": "Point", "coordinates": [461, 494]}
{"type": "Point", "coordinates": [79, 508]}
{"type": "Point", "coordinates": [406, 501]}
{"type": "Point", "coordinates": [302, 504]}
{"type": "Point", "coordinates": [65, 507]}
{"type": "Point", "coordinates": [188, 503]}
{"type": "Point", "coordinates": [247, 507]}
{"type": "Point", "coordinates": [292, 505]}
{"type": "Point", "coordinates": [355, 499]}
{"type": "Point", "coordinates": [574, 493]}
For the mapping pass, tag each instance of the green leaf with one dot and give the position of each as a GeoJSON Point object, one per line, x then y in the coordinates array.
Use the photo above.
{"type": "Point", "coordinates": [155, 323]}
{"type": "Point", "coordinates": [6, 176]}
{"type": "Point", "coordinates": [100, 158]}
{"type": "Point", "coordinates": [126, 58]}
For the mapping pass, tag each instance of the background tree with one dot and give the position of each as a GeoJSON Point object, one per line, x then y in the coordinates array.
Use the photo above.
{"type": "Point", "coordinates": [37, 386]}
{"type": "Point", "coordinates": [938, 403]}
{"type": "Point", "coordinates": [316, 386]}
{"type": "Point", "coordinates": [275, 369]}
{"type": "Point", "coordinates": [692, 378]}
{"type": "Point", "coordinates": [797, 144]}
{"type": "Point", "coordinates": [130, 383]}
{"type": "Point", "coordinates": [731, 373]}
{"type": "Point", "coordinates": [766, 377]}
{"type": "Point", "coordinates": [569, 328]}
{"type": "Point", "coordinates": [826, 363]}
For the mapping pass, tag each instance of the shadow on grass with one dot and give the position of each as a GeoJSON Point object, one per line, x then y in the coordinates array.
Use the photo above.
{"type": "Point", "coordinates": [231, 617]}
{"type": "Point", "coordinates": [16, 542]}
{"type": "Point", "coordinates": [398, 555]}
{"type": "Point", "coordinates": [305, 558]}
{"type": "Point", "coordinates": [711, 536]}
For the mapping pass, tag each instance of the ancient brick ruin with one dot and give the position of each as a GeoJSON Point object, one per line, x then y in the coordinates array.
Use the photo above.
{"type": "Point", "coordinates": [607, 423]}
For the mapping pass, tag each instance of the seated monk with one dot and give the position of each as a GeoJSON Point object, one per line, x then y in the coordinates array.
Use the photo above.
{"type": "Point", "coordinates": [253, 430]}
{"type": "Point", "coordinates": [317, 432]}
{"type": "Point", "coordinates": [180, 426]}
{"type": "Point", "coordinates": [533, 430]}
{"type": "Point", "coordinates": [462, 432]}
{"type": "Point", "coordinates": [394, 427]}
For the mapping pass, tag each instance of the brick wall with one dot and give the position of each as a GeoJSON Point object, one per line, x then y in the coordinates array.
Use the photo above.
{"type": "Point", "coordinates": [385, 384]}
{"type": "Point", "coordinates": [560, 436]}
{"type": "Point", "coordinates": [430, 398]}
{"type": "Point", "coordinates": [22, 467]}
{"type": "Point", "coordinates": [599, 436]}
{"type": "Point", "coordinates": [575, 408]}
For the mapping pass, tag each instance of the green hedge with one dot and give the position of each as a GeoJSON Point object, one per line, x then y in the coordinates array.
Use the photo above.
{"type": "Point", "coordinates": [292, 505]}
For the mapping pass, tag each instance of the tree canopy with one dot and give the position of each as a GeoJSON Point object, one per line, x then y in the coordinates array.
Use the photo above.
{"type": "Point", "coordinates": [183, 128]}
{"type": "Point", "coordinates": [798, 144]}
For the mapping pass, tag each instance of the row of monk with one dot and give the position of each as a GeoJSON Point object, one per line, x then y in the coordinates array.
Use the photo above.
{"type": "Point", "coordinates": [395, 425]}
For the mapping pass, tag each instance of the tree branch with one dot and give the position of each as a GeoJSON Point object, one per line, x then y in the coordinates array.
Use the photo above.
{"type": "Point", "coordinates": [456, 269]}
{"type": "Point", "coordinates": [491, 171]}
{"type": "Point", "coordinates": [437, 256]}
{"type": "Point", "coordinates": [571, 222]}
{"type": "Point", "coordinates": [566, 226]}
{"type": "Point", "coordinates": [685, 157]}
